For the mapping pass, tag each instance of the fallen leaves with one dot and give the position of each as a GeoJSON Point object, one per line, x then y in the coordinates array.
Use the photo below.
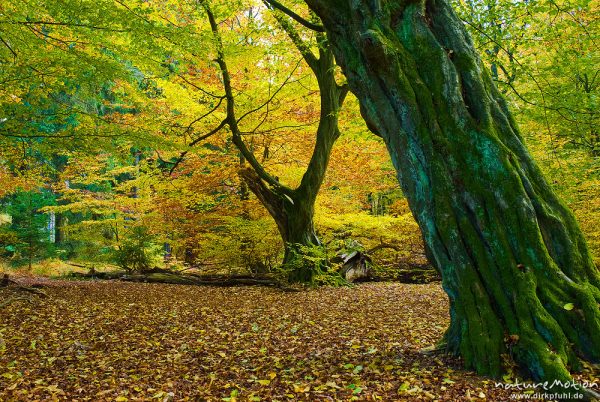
{"type": "Point", "coordinates": [131, 341]}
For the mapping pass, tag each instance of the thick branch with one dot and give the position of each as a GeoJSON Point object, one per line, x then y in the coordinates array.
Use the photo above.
{"type": "Point", "coordinates": [296, 17]}
{"type": "Point", "coordinates": [382, 246]}
{"type": "Point", "coordinates": [343, 92]}
{"type": "Point", "coordinates": [331, 97]}
{"type": "Point", "coordinates": [272, 202]}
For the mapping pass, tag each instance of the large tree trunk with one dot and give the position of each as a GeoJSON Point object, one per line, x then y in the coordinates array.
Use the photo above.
{"type": "Point", "coordinates": [510, 253]}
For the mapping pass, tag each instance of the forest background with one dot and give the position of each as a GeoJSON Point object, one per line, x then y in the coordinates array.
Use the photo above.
{"type": "Point", "coordinates": [115, 151]}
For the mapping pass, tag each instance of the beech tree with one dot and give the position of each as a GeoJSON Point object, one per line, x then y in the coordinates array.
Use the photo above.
{"type": "Point", "coordinates": [291, 208]}
{"type": "Point", "coordinates": [514, 262]}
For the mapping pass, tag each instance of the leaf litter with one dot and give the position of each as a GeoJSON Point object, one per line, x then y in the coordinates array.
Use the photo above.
{"type": "Point", "coordinates": [115, 341]}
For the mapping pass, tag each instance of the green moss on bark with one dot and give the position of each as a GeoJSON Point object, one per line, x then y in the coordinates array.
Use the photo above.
{"type": "Point", "coordinates": [510, 253]}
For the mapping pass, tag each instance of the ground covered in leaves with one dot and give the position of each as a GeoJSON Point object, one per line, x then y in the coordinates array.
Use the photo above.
{"type": "Point", "coordinates": [134, 341]}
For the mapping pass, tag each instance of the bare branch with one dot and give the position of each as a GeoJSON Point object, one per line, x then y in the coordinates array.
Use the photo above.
{"type": "Point", "coordinates": [200, 88]}
{"type": "Point", "coordinates": [273, 129]}
{"type": "Point", "coordinates": [189, 127]}
{"type": "Point", "coordinates": [272, 96]}
{"type": "Point", "coordinates": [67, 24]}
{"type": "Point", "coordinates": [9, 48]}
{"type": "Point", "coordinates": [197, 140]}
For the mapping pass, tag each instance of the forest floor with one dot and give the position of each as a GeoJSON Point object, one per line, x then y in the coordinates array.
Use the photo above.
{"type": "Point", "coordinates": [109, 340]}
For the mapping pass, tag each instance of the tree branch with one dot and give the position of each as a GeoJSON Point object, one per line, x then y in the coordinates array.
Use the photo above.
{"type": "Point", "coordinates": [343, 92]}
{"type": "Point", "coordinates": [256, 109]}
{"type": "Point", "coordinates": [14, 299]}
{"type": "Point", "coordinates": [200, 88]}
{"type": "Point", "coordinates": [304, 48]}
{"type": "Point", "coordinates": [381, 246]}
{"type": "Point", "coordinates": [296, 17]}
{"type": "Point", "coordinates": [194, 142]}
{"type": "Point", "coordinates": [9, 48]}
{"type": "Point", "coordinates": [231, 119]}
{"type": "Point", "coordinates": [68, 24]}
{"type": "Point", "coordinates": [189, 127]}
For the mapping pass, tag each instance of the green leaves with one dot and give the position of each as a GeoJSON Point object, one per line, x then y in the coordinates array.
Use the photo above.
{"type": "Point", "coordinates": [357, 369]}
{"type": "Point", "coordinates": [543, 55]}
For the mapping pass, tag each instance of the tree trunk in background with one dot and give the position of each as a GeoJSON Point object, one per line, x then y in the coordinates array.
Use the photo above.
{"type": "Point", "coordinates": [293, 209]}
{"type": "Point", "coordinates": [59, 236]}
{"type": "Point", "coordinates": [514, 263]}
{"type": "Point", "coordinates": [293, 213]}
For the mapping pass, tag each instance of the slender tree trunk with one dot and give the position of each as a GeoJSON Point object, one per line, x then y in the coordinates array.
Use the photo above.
{"type": "Point", "coordinates": [514, 263]}
{"type": "Point", "coordinates": [292, 209]}
{"type": "Point", "coordinates": [59, 227]}
{"type": "Point", "coordinates": [30, 230]}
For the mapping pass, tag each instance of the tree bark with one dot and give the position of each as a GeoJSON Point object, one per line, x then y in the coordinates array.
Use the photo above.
{"type": "Point", "coordinates": [293, 209]}
{"type": "Point", "coordinates": [293, 213]}
{"type": "Point", "coordinates": [511, 255]}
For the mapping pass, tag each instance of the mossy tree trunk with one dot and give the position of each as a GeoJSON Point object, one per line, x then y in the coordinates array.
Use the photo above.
{"type": "Point", "coordinates": [293, 213]}
{"type": "Point", "coordinates": [291, 208]}
{"type": "Point", "coordinates": [511, 255]}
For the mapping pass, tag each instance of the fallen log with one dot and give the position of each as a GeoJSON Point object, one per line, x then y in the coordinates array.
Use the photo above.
{"type": "Point", "coordinates": [7, 282]}
{"type": "Point", "coordinates": [98, 275]}
{"type": "Point", "coordinates": [170, 277]}
{"type": "Point", "coordinates": [425, 274]}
